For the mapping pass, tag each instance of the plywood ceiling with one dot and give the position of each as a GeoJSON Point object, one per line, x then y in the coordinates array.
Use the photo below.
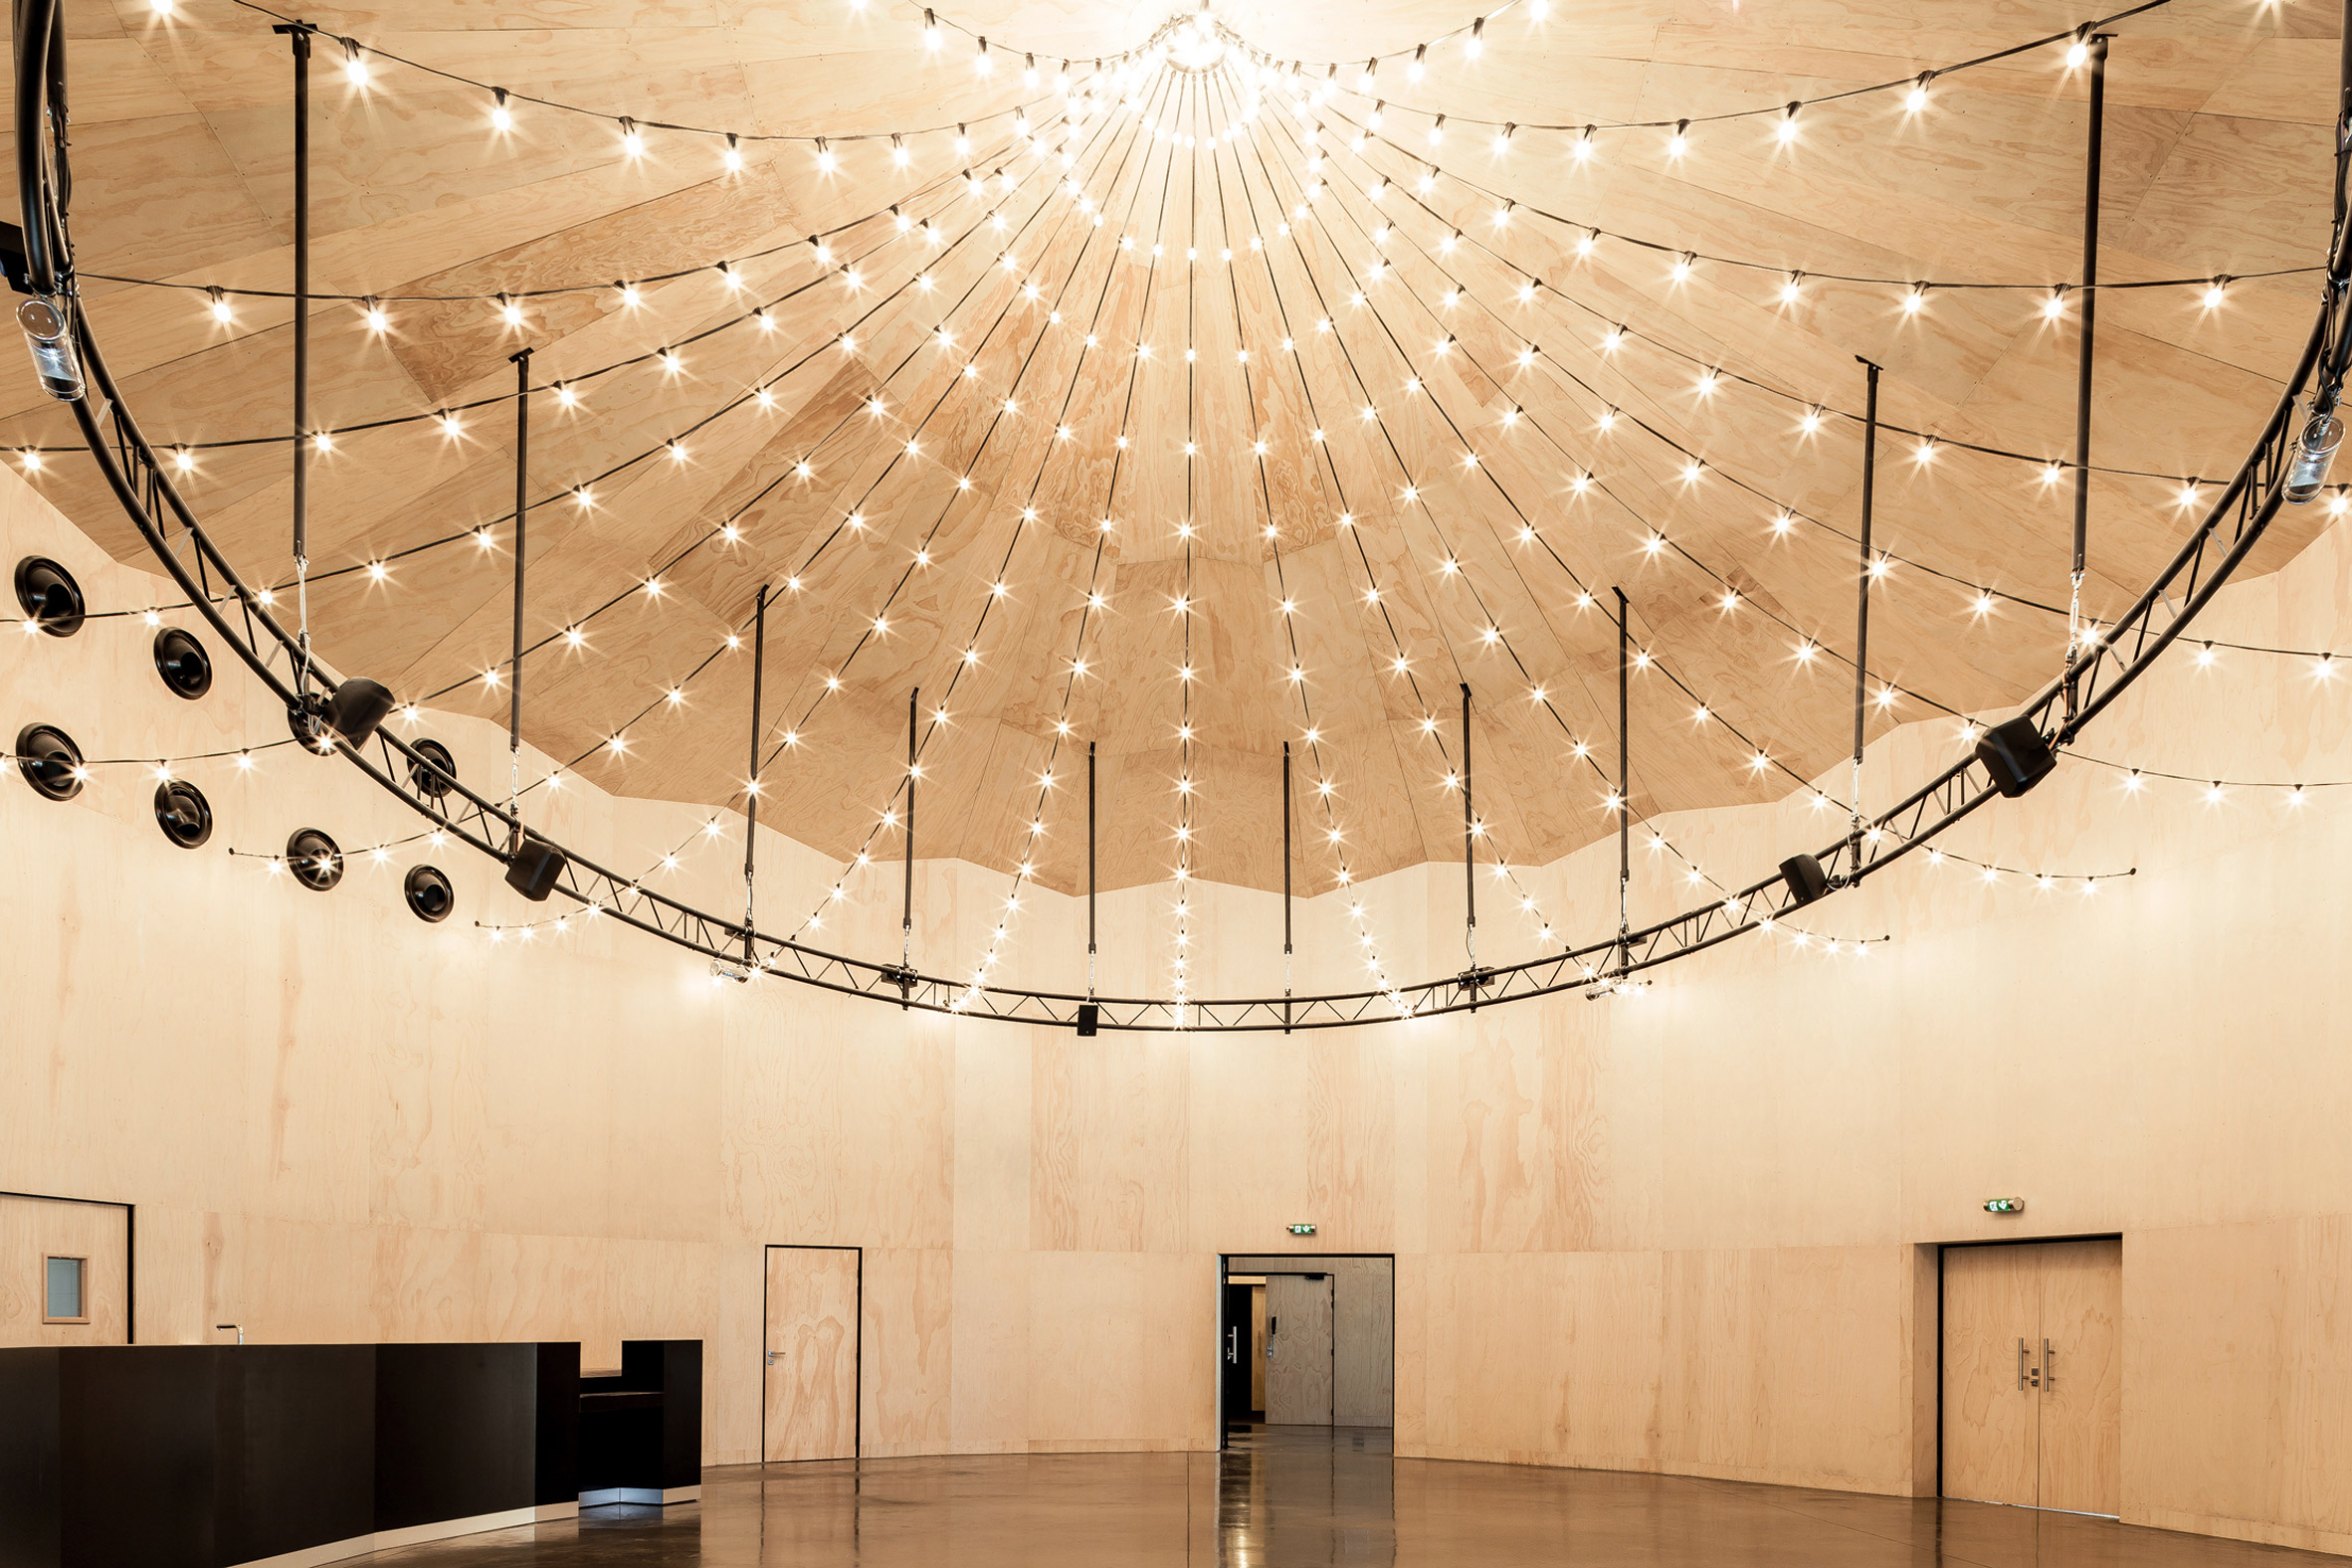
{"type": "Point", "coordinates": [2217, 160]}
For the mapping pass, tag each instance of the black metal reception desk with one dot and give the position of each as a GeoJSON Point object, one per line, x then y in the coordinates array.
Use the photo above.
{"type": "Point", "coordinates": [213, 1456]}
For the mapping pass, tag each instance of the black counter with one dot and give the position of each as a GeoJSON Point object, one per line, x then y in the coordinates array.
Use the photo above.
{"type": "Point", "coordinates": [640, 1430]}
{"type": "Point", "coordinates": [211, 1455]}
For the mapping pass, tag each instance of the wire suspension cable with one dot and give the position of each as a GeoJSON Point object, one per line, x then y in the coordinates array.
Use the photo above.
{"type": "Point", "coordinates": [2246, 506]}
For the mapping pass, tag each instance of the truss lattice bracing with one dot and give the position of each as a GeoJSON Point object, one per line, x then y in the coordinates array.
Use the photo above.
{"type": "Point", "coordinates": [2062, 709]}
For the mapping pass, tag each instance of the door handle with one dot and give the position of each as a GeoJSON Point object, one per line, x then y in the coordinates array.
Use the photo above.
{"type": "Point", "coordinates": [771, 1358]}
{"type": "Point", "coordinates": [2047, 1380]}
{"type": "Point", "coordinates": [2027, 1375]}
{"type": "Point", "coordinates": [1232, 1346]}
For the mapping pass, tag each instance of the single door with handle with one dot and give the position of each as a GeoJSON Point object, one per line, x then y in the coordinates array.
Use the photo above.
{"type": "Point", "coordinates": [2033, 1375]}
{"type": "Point", "coordinates": [1298, 1362]}
{"type": "Point", "coordinates": [811, 1353]}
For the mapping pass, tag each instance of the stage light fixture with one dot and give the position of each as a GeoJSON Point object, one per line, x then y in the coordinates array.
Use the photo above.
{"type": "Point", "coordinates": [357, 706]}
{"type": "Point", "coordinates": [429, 894]}
{"type": "Point", "coordinates": [49, 596]}
{"type": "Point", "coordinates": [183, 814]}
{"type": "Point", "coordinates": [50, 761]}
{"type": "Point", "coordinates": [2015, 754]}
{"type": "Point", "coordinates": [182, 662]}
{"type": "Point", "coordinates": [314, 859]}
{"type": "Point", "coordinates": [1089, 1018]}
{"type": "Point", "coordinates": [534, 867]}
{"type": "Point", "coordinates": [2314, 449]}
{"type": "Point", "coordinates": [1805, 878]}
{"type": "Point", "coordinates": [51, 339]}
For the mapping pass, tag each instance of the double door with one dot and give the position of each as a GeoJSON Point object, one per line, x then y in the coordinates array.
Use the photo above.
{"type": "Point", "coordinates": [2034, 1375]}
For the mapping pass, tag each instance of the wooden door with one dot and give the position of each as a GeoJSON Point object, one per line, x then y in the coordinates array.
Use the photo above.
{"type": "Point", "coordinates": [93, 1241]}
{"type": "Point", "coordinates": [811, 1353]}
{"type": "Point", "coordinates": [2081, 1352]}
{"type": "Point", "coordinates": [1991, 1414]}
{"type": "Point", "coordinates": [2034, 1375]}
{"type": "Point", "coordinates": [1299, 1350]}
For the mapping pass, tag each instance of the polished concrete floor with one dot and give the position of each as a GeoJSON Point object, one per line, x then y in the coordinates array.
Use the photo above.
{"type": "Point", "coordinates": [1295, 1497]}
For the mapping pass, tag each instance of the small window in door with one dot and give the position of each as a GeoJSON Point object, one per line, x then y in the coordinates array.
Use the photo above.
{"type": "Point", "coordinates": [63, 1298]}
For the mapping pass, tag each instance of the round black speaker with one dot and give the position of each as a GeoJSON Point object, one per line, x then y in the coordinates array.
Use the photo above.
{"type": "Point", "coordinates": [183, 812]}
{"type": "Point", "coordinates": [429, 897]}
{"type": "Point", "coordinates": [431, 781]}
{"type": "Point", "coordinates": [50, 761]}
{"type": "Point", "coordinates": [48, 595]}
{"type": "Point", "coordinates": [182, 662]}
{"type": "Point", "coordinates": [315, 860]}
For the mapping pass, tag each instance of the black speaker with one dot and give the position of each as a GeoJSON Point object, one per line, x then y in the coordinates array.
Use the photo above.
{"type": "Point", "coordinates": [2016, 755]}
{"type": "Point", "coordinates": [431, 769]}
{"type": "Point", "coordinates": [183, 814]}
{"type": "Point", "coordinates": [49, 596]}
{"type": "Point", "coordinates": [1807, 880]}
{"type": "Point", "coordinates": [534, 869]}
{"type": "Point", "coordinates": [50, 761]}
{"type": "Point", "coordinates": [1089, 1015]}
{"type": "Point", "coordinates": [182, 662]}
{"type": "Point", "coordinates": [356, 709]}
{"type": "Point", "coordinates": [314, 859]}
{"type": "Point", "coordinates": [429, 894]}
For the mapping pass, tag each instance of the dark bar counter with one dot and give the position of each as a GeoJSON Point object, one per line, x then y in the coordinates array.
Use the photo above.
{"type": "Point", "coordinates": [214, 1455]}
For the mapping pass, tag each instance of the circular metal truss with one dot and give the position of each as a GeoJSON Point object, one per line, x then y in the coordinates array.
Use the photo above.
{"type": "Point", "coordinates": [418, 773]}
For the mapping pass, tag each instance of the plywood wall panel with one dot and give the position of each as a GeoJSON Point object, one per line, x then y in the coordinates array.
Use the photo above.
{"type": "Point", "coordinates": [1680, 1233]}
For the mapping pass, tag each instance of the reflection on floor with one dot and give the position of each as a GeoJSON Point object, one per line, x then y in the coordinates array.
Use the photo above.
{"type": "Point", "coordinates": [1296, 1496]}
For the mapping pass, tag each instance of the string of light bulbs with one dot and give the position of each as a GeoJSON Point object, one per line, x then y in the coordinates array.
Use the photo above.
{"type": "Point", "coordinates": [1655, 539]}
{"type": "Point", "coordinates": [1471, 36]}
{"type": "Point", "coordinates": [361, 61]}
{"type": "Point", "coordinates": [1784, 515]}
{"type": "Point", "coordinates": [1912, 297]}
{"type": "Point", "coordinates": [888, 817]}
{"type": "Point", "coordinates": [729, 530]}
{"type": "Point", "coordinates": [1400, 664]}
{"type": "Point", "coordinates": [1644, 660]}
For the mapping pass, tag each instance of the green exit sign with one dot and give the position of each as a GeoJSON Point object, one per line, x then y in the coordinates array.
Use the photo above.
{"type": "Point", "coordinates": [1302, 1230]}
{"type": "Point", "coordinates": [2005, 1206]}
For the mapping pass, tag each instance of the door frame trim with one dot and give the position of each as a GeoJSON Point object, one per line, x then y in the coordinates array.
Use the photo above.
{"type": "Point", "coordinates": [857, 1376]}
{"type": "Point", "coordinates": [1941, 1249]}
{"type": "Point", "coordinates": [1224, 1269]}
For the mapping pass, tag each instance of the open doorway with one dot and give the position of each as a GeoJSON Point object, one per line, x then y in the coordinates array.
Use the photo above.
{"type": "Point", "coordinates": [1306, 1341]}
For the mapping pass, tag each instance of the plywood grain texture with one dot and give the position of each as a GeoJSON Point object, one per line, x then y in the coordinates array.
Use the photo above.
{"type": "Point", "coordinates": [1674, 1233]}
{"type": "Point", "coordinates": [1300, 1365]}
{"type": "Point", "coordinates": [1992, 1374]}
{"type": "Point", "coordinates": [2217, 154]}
{"type": "Point", "coordinates": [2082, 1438]}
{"type": "Point", "coordinates": [34, 1229]}
{"type": "Point", "coordinates": [815, 1339]}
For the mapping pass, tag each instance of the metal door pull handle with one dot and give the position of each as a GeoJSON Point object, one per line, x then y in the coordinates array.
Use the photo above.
{"type": "Point", "coordinates": [2047, 1380]}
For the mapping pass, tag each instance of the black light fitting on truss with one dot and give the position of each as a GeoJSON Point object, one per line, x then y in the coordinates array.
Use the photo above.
{"type": "Point", "coordinates": [2096, 672]}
